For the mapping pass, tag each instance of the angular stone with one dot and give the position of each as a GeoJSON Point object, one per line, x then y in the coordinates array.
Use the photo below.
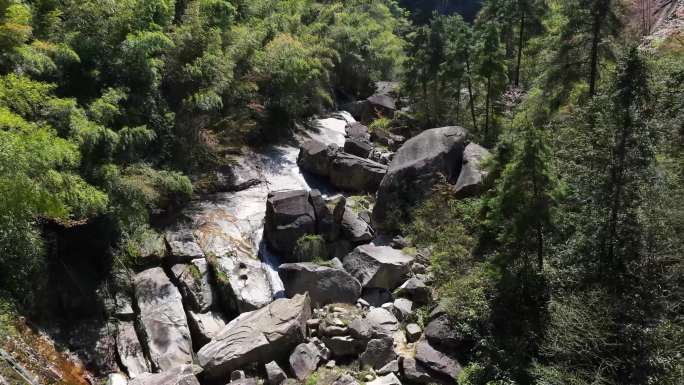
{"type": "Point", "coordinates": [315, 157]}
{"type": "Point", "coordinates": [390, 379]}
{"type": "Point", "coordinates": [346, 379]}
{"type": "Point", "coordinates": [355, 229]}
{"type": "Point", "coordinates": [329, 213]}
{"type": "Point", "coordinates": [413, 332]}
{"type": "Point", "coordinates": [304, 360]}
{"type": "Point", "coordinates": [259, 336]}
{"type": "Point", "coordinates": [379, 352]}
{"type": "Point", "coordinates": [242, 282]}
{"type": "Point", "coordinates": [352, 173]}
{"type": "Point", "coordinates": [182, 245]}
{"type": "Point", "coordinates": [289, 216]}
{"type": "Point", "coordinates": [178, 375]}
{"type": "Point", "coordinates": [382, 322]}
{"type": "Point", "coordinates": [205, 326]}
{"type": "Point", "coordinates": [378, 266]}
{"type": "Point", "coordinates": [324, 284]}
{"type": "Point", "coordinates": [357, 130]}
{"type": "Point", "coordinates": [130, 350]}
{"type": "Point", "coordinates": [473, 175]}
{"type": "Point", "coordinates": [403, 308]}
{"type": "Point", "coordinates": [415, 372]}
{"type": "Point", "coordinates": [437, 361]}
{"type": "Point", "coordinates": [390, 367]}
{"type": "Point", "coordinates": [359, 147]}
{"type": "Point", "coordinates": [274, 373]}
{"type": "Point", "coordinates": [163, 319]}
{"type": "Point", "coordinates": [415, 169]}
{"type": "Point", "coordinates": [360, 328]}
{"type": "Point", "coordinates": [193, 282]}
{"type": "Point", "coordinates": [416, 290]}
{"type": "Point", "coordinates": [442, 334]}
{"type": "Point", "coordinates": [343, 346]}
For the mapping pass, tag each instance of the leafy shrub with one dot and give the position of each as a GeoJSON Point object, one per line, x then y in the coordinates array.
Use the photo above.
{"type": "Point", "coordinates": [311, 248]}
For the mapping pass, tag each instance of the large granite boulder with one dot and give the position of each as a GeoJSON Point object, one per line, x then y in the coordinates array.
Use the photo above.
{"type": "Point", "coordinates": [357, 130]}
{"type": "Point", "coordinates": [382, 323]}
{"type": "Point", "coordinates": [472, 176]}
{"type": "Point", "coordinates": [315, 157]}
{"type": "Point", "coordinates": [204, 326]}
{"type": "Point", "coordinates": [390, 379]}
{"type": "Point", "coordinates": [193, 282]}
{"type": "Point", "coordinates": [352, 173]}
{"type": "Point", "coordinates": [437, 361]}
{"type": "Point", "coordinates": [289, 216]}
{"type": "Point", "coordinates": [179, 375]}
{"type": "Point", "coordinates": [379, 352]}
{"type": "Point", "coordinates": [163, 319]}
{"type": "Point", "coordinates": [414, 170]}
{"type": "Point", "coordinates": [130, 351]}
{"type": "Point", "coordinates": [378, 266]}
{"type": "Point", "coordinates": [260, 336]}
{"type": "Point", "coordinates": [324, 284]}
{"type": "Point", "coordinates": [416, 290]}
{"type": "Point", "coordinates": [242, 283]}
{"type": "Point", "coordinates": [442, 334]}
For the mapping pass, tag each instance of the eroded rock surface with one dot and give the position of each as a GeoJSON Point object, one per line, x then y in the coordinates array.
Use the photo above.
{"type": "Point", "coordinates": [378, 266]}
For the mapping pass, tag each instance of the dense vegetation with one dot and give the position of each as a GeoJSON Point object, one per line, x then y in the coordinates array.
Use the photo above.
{"type": "Point", "coordinates": [567, 270]}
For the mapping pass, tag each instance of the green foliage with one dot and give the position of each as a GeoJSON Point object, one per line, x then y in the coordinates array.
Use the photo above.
{"type": "Point", "coordinates": [311, 248]}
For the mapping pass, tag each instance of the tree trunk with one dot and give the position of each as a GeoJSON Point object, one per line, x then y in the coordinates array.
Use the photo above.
{"type": "Point", "coordinates": [599, 14]}
{"type": "Point", "coordinates": [617, 182]}
{"type": "Point", "coordinates": [486, 126]}
{"type": "Point", "coordinates": [470, 95]}
{"type": "Point", "coordinates": [520, 46]}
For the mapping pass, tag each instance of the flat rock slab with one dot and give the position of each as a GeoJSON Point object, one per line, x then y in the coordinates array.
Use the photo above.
{"type": "Point", "coordinates": [180, 375]}
{"type": "Point", "coordinates": [130, 350]}
{"type": "Point", "coordinates": [324, 284]}
{"type": "Point", "coordinates": [163, 319]}
{"type": "Point", "coordinates": [243, 283]}
{"type": "Point", "coordinates": [378, 266]}
{"type": "Point", "coordinates": [260, 336]}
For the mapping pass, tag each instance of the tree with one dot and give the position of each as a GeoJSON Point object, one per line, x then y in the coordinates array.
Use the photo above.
{"type": "Point", "coordinates": [490, 66]}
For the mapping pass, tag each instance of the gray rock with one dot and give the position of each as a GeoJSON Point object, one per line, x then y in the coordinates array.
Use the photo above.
{"type": "Point", "coordinates": [382, 322]}
{"type": "Point", "coordinates": [413, 332]}
{"type": "Point", "coordinates": [130, 351]}
{"type": "Point", "coordinates": [289, 216]}
{"type": "Point", "coordinates": [163, 319]}
{"type": "Point", "coordinates": [415, 372]}
{"type": "Point", "coordinates": [414, 170]}
{"type": "Point", "coordinates": [379, 352]}
{"type": "Point", "coordinates": [123, 307]}
{"type": "Point", "coordinates": [178, 375]}
{"type": "Point", "coordinates": [390, 379]}
{"type": "Point", "coordinates": [473, 175]}
{"type": "Point", "coordinates": [117, 379]}
{"type": "Point", "coordinates": [358, 146]}
{"type": "Point", "coordinates": [346, 379]}
{"type": "Point", "coordinates": [441, 333]}
{"type": "Point", "coordinates": [259, 336]}
{"type": "Point", "coordinates": [329, 214]}
{"type": "Point", "coordinates": [403, 308]}
{"type": "Point", "coordinates": [245, 381]}
{"type": "Point", "coordinates": [205, 326]}
{"type": "Point", "coordinates": [304, 360]}
{"type": "Point", "coordinates": [242, 282]}
{"type": "Point", "coordinates": [315, 157]}
{"type": "Point", "coordinates": [357, 130]}
{"type": "Point", "coordinates": [383, 101]}
{"type": "Point", "coordinates": [376, 296]}
{"type": "Point", "coordinates": [94, 342]}
{"type": "Point", "coordinates": [193, 283]}
{"type": "Point", "coordinates": [325, 284]}
{"type": "Point", "coordinates": [354, 229]}
{"type": "Point", "coordinates": [390, 367]}
{"type": "Point", "coordinates": [360, 328]}
{"type": "Point", "coordinates": [274, 373]}
{"type": "Point", "coordinates": [182, 245]}
{"type": "Point", "coordinates": [330, 329]}
{"type": "Point", "coordinates": [343, 346]}
{"type": "Point", "coordinates": [437, 361]}
{"type": "Point", "coordinates": [416, 290]}
{"type": "Point", "coordinates": [335, 263]}
{"type": "Point", "coordinates": [378, 266]}
{"type": "Point", "coordinates": [352, 173]}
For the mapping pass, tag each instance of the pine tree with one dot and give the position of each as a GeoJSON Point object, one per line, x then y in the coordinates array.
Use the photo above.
{"type": "Point", "coordinates": [491, 68]}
